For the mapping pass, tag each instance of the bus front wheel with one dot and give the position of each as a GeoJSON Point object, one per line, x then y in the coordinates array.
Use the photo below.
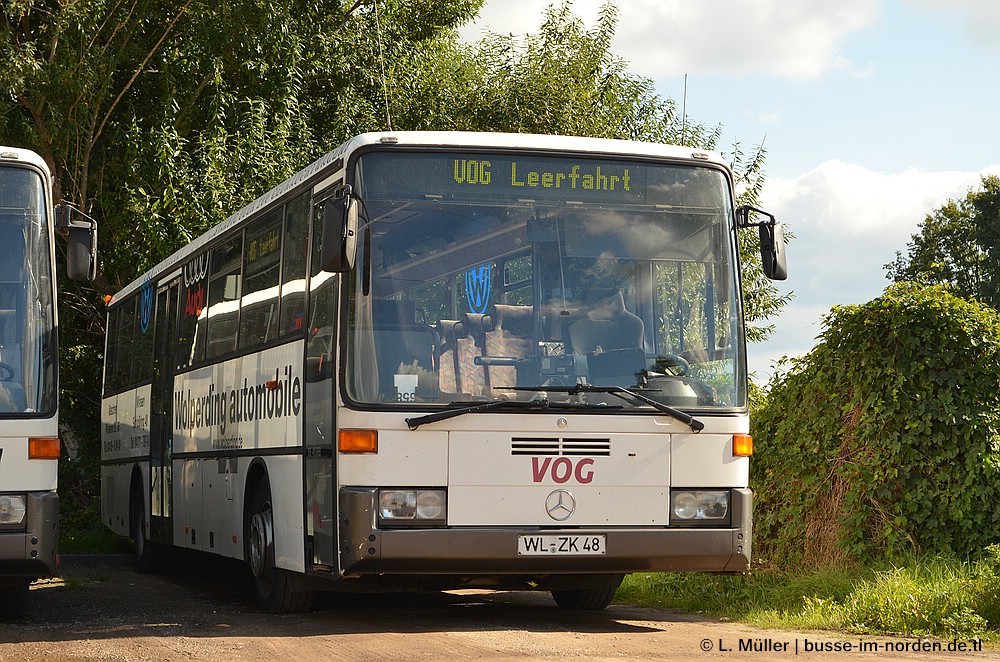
{"type": "Point", "coordinates": [275, 594]}
{"type": "Point", "coordinates": [591, 598]}
{"type": "Point", "coordinates": [13, 597]}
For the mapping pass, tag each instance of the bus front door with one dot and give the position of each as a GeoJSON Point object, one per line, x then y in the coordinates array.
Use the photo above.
{"type": "Point", "coordinates": [161, 400]}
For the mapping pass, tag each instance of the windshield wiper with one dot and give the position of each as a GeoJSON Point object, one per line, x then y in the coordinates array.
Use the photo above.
{"type": "Point", "coordinates": [416, 422]}
{"type": "Point", "coordinates": [541, 403]}
{"type": "Point", "coordinates": [621, 392]}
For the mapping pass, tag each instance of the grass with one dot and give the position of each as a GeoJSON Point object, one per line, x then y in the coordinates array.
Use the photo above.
{"type": "Point", "coordinates": [921, 596]}
{"type": "Point", "coordinates": [91, 541]}
{"type": "Point", "coordinates": [81, 532]}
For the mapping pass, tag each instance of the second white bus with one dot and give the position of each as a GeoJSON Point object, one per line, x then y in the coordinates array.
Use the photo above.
{"type": "Point", "coordinates": [29, 368]}
{"type": "Point", "coordinates": [441, 360]}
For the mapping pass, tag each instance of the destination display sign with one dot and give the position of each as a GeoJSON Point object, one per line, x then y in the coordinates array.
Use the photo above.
{"type": "Point", "coordinates": [507, 177]}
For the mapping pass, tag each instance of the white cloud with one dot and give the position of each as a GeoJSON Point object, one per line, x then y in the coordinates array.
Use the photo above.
{"type": "Point", "coordinates": [981, 18]}
{"type": "Point", "coordinates": [798, 40]}
{"type": "Point", "coordinates": [838, 199]}
{"type": "Point", "coordinates": [848, 222]}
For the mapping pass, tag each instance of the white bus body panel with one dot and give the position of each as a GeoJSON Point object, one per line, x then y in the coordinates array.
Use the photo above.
{"type": "Point", "coordinates": [249, 403]}
{"type": "Point", "coordinates": [494, 476]}
{"type": "Point", "coordinates": [215, 407]}
{"type": "Point", "coordinates": [208, 492]}
{"type": "Point", "coordinates": [116, 481]}
{"type": "Point", "coordinates": [125, 422]}
{"type": "Point", "coordinates": [125, 419]}
{"type": "Point", "coordinates": [17, 473]}
{"type": "Point", "coordinates": [491, 485]}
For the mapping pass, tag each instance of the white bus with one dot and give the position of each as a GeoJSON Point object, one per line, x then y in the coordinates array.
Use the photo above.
{"type": "Point", "coordinates": [441, 360]}
{"type": "Point", "coordinates": [29, 441]}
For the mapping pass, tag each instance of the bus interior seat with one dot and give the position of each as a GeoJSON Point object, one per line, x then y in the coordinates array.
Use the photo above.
{"type": "Point", "coordinates": [610, 335]}
{"type": "Point", "coordinates": [605, 324]}
{"type": "Point", "coordinates": [11, 247]}
{"type": "Point", "coordinates": [403, 346]}
{"type": "Point", "coordinates": [11, 392]}
{"type": "Point", "coordinates": [508, 332]}
{"type": "Point", "coordinates": [8, 330]}
{"type": "Point", "coordinates": [462, 343]}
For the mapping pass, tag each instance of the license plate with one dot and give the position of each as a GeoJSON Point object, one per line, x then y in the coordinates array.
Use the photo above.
{"type": "Point", "coordinates": [575, 545]}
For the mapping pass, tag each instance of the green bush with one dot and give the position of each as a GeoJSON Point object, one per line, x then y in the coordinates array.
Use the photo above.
{"type": "Point", "coordinates": [883, 440]}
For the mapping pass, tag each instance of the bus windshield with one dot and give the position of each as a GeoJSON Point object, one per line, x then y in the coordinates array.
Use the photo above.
{"type": "Point", "coordinates": [500, 276]}
{"type": "Point", "coordinates": [27, 340]}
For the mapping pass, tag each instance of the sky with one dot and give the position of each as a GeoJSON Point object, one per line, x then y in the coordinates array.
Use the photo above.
{"type": "Point", "coordinates": [873, 113]}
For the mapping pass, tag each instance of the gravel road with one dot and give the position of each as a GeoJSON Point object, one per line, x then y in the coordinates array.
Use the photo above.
{"type": "Point", "coordinates": [102, 609]}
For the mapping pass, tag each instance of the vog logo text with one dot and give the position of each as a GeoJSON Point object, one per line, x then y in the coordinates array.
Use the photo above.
{"type": "Point", "coordinates": [562, 470]}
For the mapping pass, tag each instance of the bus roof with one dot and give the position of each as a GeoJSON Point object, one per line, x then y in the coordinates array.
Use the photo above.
{"type": "Point", "coordinates": [436, 139]}
{"type": "Point", "coordinates": [23, 156]}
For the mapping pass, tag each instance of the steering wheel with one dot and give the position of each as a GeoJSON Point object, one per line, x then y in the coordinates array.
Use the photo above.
{"type": "Point", "coordinates": [672, 364]}
{"type": "Point", "coordinates": [6, 372]}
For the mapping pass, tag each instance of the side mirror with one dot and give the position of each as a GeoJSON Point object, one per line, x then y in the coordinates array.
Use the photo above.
{"type": "Point", "coordinates": [772, 240]}
{"type": "Point", "coordinates": [81, 242]}
{"type": "Point", "coordinates": [340, 233]}
{"type": "Point", "coordinates": [772, 251]}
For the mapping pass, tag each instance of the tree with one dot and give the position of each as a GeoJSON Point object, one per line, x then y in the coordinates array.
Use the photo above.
{"type": "Point", "coordinates": [883, 439]}
{"type": "Point", "coordinates": [958, 245]}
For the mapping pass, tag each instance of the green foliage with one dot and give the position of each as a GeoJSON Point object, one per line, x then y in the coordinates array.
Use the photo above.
{"type": "Point", "coordinates": [931, 598]}
{"type": "Point", "coordinates": [884, 438]}
{"type": "Point", "coordinates": [958, 245]}
{"type": "Point", "coordinates": [81, 529]}
{"type": "Point", "coordinates": [762, 598]}
{"type": "Point", "coordinates": [925, 596]}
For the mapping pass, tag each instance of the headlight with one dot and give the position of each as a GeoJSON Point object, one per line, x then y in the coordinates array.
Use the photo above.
{"type": "Point", "coordinates": [694, 507]}
{"type": "Point", "coordinates": [12, 509]}
{"type": "Point", "coordinates": [412, 506]}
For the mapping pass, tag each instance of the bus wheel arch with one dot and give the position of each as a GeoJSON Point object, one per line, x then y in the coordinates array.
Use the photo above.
{"type": "Point", "coordinates": [150, 557]}
{"type": "Point", "coordinates": [273, 585]}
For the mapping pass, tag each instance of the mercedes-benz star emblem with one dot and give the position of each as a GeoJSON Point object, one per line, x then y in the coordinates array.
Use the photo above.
{"type": "Point", "coordinates": [560, 505]}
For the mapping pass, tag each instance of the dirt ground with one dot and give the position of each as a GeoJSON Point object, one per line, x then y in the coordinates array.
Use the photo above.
{"type": "Point", "coordinates": [102, 609]}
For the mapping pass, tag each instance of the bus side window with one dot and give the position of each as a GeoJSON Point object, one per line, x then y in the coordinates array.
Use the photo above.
{"type": "Point", "coordinates": [261, 266]}
{"type": "Point", "coordinates": [190, 322]}
{"type": "Point", "coordinates": [293, 264]}
{"type": "Point", "coordinates": [223, 297]}
{"type": "Point", "coordinates": [142, 348]}
{"type": "Point", "coordinates": [111, 351]}
{"type": "Point", "coordinates": [123, 340]}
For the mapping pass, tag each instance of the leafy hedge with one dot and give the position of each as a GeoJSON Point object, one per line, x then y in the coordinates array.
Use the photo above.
{"type": "Point", "coordinates": [885, 438]}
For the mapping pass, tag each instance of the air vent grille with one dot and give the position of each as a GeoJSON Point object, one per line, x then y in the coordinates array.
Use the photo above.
{"type": "Point", "coordinates": [576, 446]}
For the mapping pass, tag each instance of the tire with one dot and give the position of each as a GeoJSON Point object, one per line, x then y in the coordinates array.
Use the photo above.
{"type": "Point", "coordinates": [14, 599]}
{"type": "Point", "coordinates": [593, 598]}
{"type": "Point", "coordinates": [150, 557]}
{"type": "Point", "coordinates": [272, 585]}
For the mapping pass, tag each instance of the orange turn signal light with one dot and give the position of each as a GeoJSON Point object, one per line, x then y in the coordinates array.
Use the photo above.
{"type": "Point", "coordinates": [43, 448]}
{"type": "Point", "coordinates": [742, 445]}
{"type": "Point", "coordinates": [358, 441]}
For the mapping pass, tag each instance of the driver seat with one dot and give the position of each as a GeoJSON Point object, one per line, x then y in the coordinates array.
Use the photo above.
{"type": "Point", "coordinates": [606, 325]}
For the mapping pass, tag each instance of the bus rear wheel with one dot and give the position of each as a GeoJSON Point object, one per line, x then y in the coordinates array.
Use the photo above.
{"type": "Point", "coordinates": [275, 594]}
{"type": "Point", "coordinates": [150, 557]}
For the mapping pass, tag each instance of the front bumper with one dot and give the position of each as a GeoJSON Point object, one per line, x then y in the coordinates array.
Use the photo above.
{"type": "Point", "coordinates": [367, 550]}
{"type": "Point", "coordinates": [31, 551]}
